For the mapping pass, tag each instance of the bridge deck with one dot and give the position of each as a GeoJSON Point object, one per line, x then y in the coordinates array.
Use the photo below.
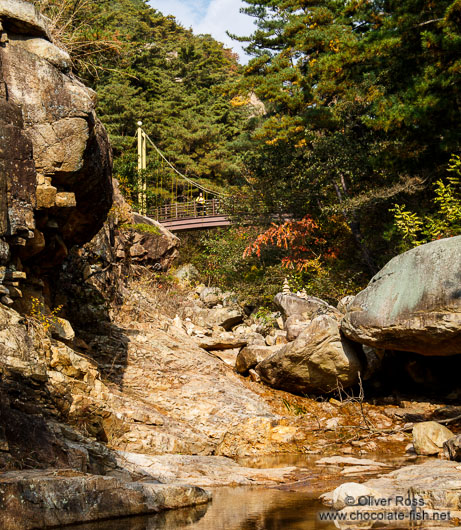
{"type": "Point", "coordinates": [196, 223]}
{"type": "Point", "coordinates": [191, 215]}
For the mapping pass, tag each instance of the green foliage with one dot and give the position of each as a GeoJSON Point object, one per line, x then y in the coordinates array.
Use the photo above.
{"type": "Point", "coordinates": [221, 256]}
{"type": "Point", "coordinates": [142, 227]}
{"type": "Point", "coordinates": [331, 283]}
{"type": "Point", "coordinates": [218, 256]}
{"type": "Point", "coordinates": [408, 224]}
{"type": "Point", "coordinates": [264, 315]}
{"type": "Point", "coordinates": [79, 27]}
{"type": "Point", "coordinates": [445, 221]}
{"type": "Point", "coordinates": [361, 113]}
{"type": "Point", "coordinates": [174, 82]}
{"type": "Point", "coordinates": [362, 104]}
{"type": "Point", "coordinates": [294, 408]}
{"type": "Point", "coordinates": [145, 66]}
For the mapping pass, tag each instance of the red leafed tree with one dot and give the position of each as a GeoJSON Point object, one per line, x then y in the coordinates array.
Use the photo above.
{"type": "Point", "coordinates": [302, 241]}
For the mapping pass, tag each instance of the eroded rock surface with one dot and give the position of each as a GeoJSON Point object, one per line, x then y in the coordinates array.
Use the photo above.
{"type": "Point", "coordinates": [308, 308]}
{"type": "Point", "coordinates": [24, 18]}
{"type": "Point", "coordinates": [434, 485]}
{"type": "Point", "coordinates": [250, 356]}
{"type": "Point", "coordinates": [452, 448]}
{"type": "Point", "coordinates": [44, 499]}
{"type": "Point", "coordinates": [204, 471]}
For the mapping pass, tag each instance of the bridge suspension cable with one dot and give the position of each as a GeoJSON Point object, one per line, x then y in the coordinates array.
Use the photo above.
{"type": "Point", "coordinates": [142, 137]}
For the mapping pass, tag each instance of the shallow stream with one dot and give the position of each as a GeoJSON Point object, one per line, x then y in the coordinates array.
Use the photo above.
{"type": "Point", "coordinates": [239, 508]}
{"type": "Point", "coordinates": [284, 507]}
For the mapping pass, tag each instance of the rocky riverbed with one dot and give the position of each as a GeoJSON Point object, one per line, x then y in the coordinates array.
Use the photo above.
{"type": "Point", "coordinates": [123, 392]}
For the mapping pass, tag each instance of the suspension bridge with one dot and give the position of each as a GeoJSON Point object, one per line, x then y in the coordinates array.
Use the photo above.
{"type": "Point", "coordinates": [174, 199]}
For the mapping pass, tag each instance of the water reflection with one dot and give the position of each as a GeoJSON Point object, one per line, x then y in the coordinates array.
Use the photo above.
{"type": "Point", "coordinates": [262, 509]}
{"type": "Point", "coordinates": [284, 507]}
{"type": "Point", "coordinates": [232, 509]}
{"type": "Point", "coordinates": [169, 520]}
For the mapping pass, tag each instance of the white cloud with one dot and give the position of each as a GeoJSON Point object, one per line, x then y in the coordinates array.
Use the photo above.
{"type": "Point", "coordinates": [215, 19]}
{"type": "Point", "coordinates": [187, 12]}
{"type": "Point", "coordinates": [222, 16]}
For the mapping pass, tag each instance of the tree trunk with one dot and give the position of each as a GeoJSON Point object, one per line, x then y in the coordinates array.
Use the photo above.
{"type": "Point", "coordinates": [354, 225]}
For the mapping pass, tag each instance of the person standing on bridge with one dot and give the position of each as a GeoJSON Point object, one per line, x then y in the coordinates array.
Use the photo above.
{"type": "Point", "coordinates": [200, 200]}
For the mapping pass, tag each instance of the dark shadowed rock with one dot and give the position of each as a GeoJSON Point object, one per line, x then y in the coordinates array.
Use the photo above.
{"type": "Point", "coordinates": [160, 244]}
{"type": "Point", "coordinates": [372, 360]}
{"type": "Point", "coordinates": [129, 237]}
{"type": "Point", "coordinates": [70, 145]}
{"type": "Point", "coordinates": [126, 241]}
{"type": "Point", "coordinates": [318, 361]}
{"type": "Point", "coordinates": [413, 303]}
{"type": "Point", "coordinates": [452, 448]}
{"type": "Point", "coordinates": [17, 176]}
{"type": "Point", "coordinates": [22, 17]}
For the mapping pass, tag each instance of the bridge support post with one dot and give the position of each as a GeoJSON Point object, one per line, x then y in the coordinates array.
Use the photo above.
{"type": "Point", "coordinates": [142, 164]}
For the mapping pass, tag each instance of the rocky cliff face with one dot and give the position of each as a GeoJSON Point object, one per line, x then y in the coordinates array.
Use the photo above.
{"type": "Point", "coordinates": [55, 158]}
{"type": "Point", "coordinates": [121, 380]}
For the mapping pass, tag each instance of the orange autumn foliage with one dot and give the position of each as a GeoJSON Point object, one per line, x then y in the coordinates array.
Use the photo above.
{"type": "Point", "coordinates": [302, 240]}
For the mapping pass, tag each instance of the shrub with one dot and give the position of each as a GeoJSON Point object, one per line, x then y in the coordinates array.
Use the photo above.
{"type": "Point", "coordinates": [416, 230]}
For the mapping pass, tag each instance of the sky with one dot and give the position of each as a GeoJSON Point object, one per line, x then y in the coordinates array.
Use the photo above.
{"type": "Point", "coordinates": [210, 16]}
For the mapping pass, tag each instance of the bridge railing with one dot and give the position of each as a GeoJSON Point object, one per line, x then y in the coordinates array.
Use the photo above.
{"type": "Point", "coordinates": [183, 210]}
{"type": "Point", "coordinates": [214, 208]}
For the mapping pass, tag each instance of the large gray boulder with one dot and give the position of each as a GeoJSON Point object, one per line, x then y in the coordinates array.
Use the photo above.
{"type": "Point", "coordinates": [211, 296]}
{"type": "Point", "coordinates": [413, 304]}
{"type": "Point", "coordinates": [225, 317]}
{"type": "Point", "coordinates": [318, 361]}
{"type": "Point", "coordinates": [310, 307]}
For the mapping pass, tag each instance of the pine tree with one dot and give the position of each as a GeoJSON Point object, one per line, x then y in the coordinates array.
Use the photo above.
{"type": "Point", "coordinates": [363, 104]}
{"type": "Point", "coordinates": [146, 66]}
